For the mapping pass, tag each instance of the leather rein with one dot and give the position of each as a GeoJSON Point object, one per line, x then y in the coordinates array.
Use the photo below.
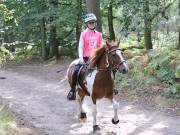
{"type": "Point", "coordinates": [108, 66]}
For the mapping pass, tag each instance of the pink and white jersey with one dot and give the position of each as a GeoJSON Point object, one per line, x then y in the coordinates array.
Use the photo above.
{"type": "Point", "coordinates": [90, 41]}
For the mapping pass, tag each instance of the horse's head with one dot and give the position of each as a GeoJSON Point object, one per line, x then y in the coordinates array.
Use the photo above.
{"type": "Point", "coordinates": [115, 58]}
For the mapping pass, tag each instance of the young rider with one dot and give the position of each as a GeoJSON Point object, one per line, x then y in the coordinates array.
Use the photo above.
{"type": "Point", "coordinates": [89, 39]}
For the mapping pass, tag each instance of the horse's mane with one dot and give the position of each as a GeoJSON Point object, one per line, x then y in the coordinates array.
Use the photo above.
{"type": "Point", "coordinates": [96, 55]}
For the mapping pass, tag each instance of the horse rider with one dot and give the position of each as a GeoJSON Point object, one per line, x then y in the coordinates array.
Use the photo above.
{"type": "Point", "coordinates": [90, 38]}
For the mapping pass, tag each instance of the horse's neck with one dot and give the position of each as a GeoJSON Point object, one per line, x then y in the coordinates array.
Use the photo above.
{"type": "Point", "coordinates": [103, 63]}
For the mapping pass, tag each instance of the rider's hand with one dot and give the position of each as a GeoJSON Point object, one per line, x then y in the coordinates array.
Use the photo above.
{"type": "Point", "coordinates": [81, 60]}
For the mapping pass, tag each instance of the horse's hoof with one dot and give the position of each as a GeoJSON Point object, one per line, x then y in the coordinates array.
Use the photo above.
{"type": "Point", "coordinates": [115, 122]}
{"type": "Point", "coordinates": [96, 128]}
{"type": "Point", "coordinates": [83, 115]}
{"type": "Point", "coordinates": [115, 92]}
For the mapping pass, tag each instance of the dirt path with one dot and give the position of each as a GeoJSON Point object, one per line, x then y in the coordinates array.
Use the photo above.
{"type": "Point", "coordinates": [38, 94]}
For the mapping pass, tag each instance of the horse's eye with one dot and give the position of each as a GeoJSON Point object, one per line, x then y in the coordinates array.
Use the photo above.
{"type": "Point", "coordinates": [114, 54]}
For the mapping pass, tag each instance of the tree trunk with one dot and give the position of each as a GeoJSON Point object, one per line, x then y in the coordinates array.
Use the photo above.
{"type": "Point", "coordinates": [93, 6]}
{"type": "Point", "coordinates": [110, 21]}
{"type": "Point", "coordinates": [53, 36]}
{"type": "Point", "coordinates": [147, 26]}
{"type": "Point", "coordinates": [44, 51]}
{"type": "Point", "coordinates": [43, 40]}
{"type": "Point", "coordinates": [53, 42]}
{"type": "Point", "coordinates": [178, 47]}
{"type": "Point", "coordinates": [147, 35]}
{"type": "Point", "coordinates": [79, 21]}
{"type": "Point", "coordinates": [138, 36]}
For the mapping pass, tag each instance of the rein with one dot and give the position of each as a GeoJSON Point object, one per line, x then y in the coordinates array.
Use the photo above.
{"type": "Point", "coordinates": [109, 68]}
{"type": "Point", "coordinates": [115, 68]}
{"type": "Point", "coordinates": [102, 69]}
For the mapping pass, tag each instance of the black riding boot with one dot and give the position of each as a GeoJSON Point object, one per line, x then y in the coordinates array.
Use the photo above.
{"type": "Point", "coordinates": [72, 93]}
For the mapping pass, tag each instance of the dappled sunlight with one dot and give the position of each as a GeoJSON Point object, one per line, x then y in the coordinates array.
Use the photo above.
{"type": "Point", "coordinates": [156, 128]}
{"type": "Point", "coordinates": [81, 129]}
{"type": "Point", "coordinates": [133, 121]}
{"type": "Point", "coordinates": [148, 132]}
{"type": "Point", "coordinates": [43, 102]}
{"type": "Point", "coordinates": [159, 125]}
{"type": "Point", "coordinates": [128, 107]}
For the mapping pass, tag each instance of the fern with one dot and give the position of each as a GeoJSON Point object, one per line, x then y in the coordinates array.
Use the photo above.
{"type": "Point", "coordinates": [160, 63]}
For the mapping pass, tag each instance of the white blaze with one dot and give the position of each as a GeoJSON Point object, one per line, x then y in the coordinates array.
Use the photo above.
{"type": "Point", "coordinates": [118, 52]}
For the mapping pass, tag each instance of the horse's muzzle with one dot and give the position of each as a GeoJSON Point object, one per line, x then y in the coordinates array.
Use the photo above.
{"type": "Point", "coordinates": [124, 71]}
{"type": "Point", "coordinates": [124, 67]}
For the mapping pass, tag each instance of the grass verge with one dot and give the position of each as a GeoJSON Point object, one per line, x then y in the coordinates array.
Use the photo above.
{"type": "Point", "coordinates": [8, 124]}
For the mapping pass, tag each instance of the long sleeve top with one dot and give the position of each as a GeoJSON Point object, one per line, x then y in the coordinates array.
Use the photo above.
{"type": "Point", "coordinates": [88, 41]}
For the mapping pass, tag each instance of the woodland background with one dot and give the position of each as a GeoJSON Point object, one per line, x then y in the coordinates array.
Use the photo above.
{"type": "Point", "coordinates": [149, 32]}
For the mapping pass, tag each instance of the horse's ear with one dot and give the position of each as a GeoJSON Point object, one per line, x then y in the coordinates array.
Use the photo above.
{"type": "Point", "coordinates": [107, 45]}
{"type": "Point", "coordinates": [118, 42]}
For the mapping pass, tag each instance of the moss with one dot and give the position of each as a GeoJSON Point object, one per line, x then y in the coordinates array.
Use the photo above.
{"type": "Point", "coordinates": [175, 54]}
{"type": "Point", "coordinates": [8, 125]}
{"type": "Point", "coordinates": [178, 87]}
{"type": "Point", "coordinates": [177, 74]}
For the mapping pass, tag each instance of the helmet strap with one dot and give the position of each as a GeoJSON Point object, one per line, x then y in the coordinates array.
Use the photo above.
{"type": "Point", "coordinates": [91, 28]}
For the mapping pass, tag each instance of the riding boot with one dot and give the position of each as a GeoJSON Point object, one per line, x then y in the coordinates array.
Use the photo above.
{"type": "Point", "coordinates": [72, 93]}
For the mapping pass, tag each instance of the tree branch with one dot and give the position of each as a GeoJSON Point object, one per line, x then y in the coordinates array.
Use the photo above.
{"type": "Point", "coordinates": [161, 10]}
{"type": "Point", "coordinates": [132, 47]}
{"type": "Point", "coordinates": [65, 36]}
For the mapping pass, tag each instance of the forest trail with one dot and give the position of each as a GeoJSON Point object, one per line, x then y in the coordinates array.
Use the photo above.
{"type": "Point", "coordinates": [38, 95]}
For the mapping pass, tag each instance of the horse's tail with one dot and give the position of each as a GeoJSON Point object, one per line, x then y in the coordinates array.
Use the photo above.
{"type": "Point", "coordinates": [58, 71]}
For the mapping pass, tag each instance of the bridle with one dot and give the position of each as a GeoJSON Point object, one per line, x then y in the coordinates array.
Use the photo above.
{"type": "Point", "coordinates": [110, 65]}
{"type": "Point", "coordinates": [114, 67]}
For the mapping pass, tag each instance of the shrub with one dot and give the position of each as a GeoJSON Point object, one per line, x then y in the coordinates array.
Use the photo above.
{"type": "Point", "coordinates": [160, 65]}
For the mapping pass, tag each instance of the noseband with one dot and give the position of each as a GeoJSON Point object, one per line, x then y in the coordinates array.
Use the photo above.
{"type": "Point", "coordinates": [110, 64]}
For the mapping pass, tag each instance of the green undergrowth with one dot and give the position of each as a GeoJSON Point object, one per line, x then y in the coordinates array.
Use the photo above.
{"type": "Point", "coordinates": [155, 83]}
{"type": "Point", "coordinates": [8, 125]}
{"type": "Point", "coordinates": [135, 80]}
{"type": "Point", "coordinates": [140, 86]}
{"type": "Point", "coordinates": [160, 65]}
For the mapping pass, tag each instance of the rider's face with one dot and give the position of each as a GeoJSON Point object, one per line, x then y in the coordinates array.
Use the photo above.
{"type": "Point", "coordinates": [91, 24]}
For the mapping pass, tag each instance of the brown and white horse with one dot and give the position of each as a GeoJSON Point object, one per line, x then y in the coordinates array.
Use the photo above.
{"type": "Point", "coordinates": [98, 81]}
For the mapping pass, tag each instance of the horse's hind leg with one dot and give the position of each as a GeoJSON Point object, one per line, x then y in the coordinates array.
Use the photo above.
{"type": "Point", "coordinates": [81, 96]}
{"type": "Point", "coordinates": [115, 120]}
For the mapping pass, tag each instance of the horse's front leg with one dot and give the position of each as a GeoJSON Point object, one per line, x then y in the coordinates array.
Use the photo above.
{"type": "Point", "coordinates": [94, 113]}
{"type": "Point", "coordinates": [115, 120]}
{"type": "Point", "coordinates": [95, 126]}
